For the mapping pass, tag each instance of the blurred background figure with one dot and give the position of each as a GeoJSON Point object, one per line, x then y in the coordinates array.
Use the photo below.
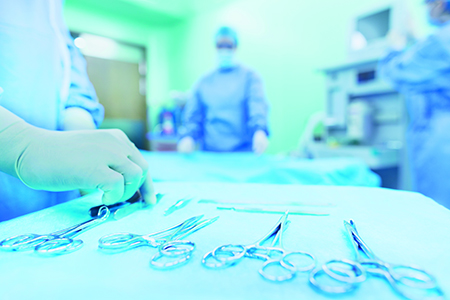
{"type": "Point", "coordinates": [422, 74]}
{"type": "Point", "coordinates": [228, 109]}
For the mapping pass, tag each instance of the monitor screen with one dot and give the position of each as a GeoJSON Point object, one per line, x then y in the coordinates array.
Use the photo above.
{"type": "Point", "coordinates": [375, 26]}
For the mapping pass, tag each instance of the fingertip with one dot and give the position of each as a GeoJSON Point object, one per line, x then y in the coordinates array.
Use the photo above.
{"type": "Point", "coordinates": [111, 197]}
{"type": "Point", "coordinates": [150, 198]}
{"type": "Point", "coordinates": [113, 189]}
{"type": "Point", "coordinates": [149, 190]}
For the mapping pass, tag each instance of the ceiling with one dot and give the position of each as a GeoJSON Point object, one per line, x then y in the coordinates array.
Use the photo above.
{"type": "Point", "coordinates": [149, 11]}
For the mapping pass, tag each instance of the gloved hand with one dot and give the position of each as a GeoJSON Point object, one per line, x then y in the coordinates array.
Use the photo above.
{"type": "Point", "coordinates": [61, 161]}
{"type": "Point", "coordinates": [397, 41]}
{"type": "Point", "coordinates": [186, 145]}
{"type": "Point", "coordinates": [260, 142]}
{"type": "Point", "coordinates": [76, 118]}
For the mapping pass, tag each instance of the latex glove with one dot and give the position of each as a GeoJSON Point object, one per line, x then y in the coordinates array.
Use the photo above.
{"type": "Point", "coordinates": [61, 161]}
{"type": "Point", "coordinates": [260, 142]}
{"type": "Point", "coordinates": [186, 145]}
{"type": "Point", "coordinates": [76, 118]}
{"type": "Point", "coordinates": [148, 190]}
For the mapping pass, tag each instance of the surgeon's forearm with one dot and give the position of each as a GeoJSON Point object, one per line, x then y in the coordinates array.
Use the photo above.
{"type": "Point", "coordinates": [11, 140]}
{"type": "Point", "coordinates": [388, 65]}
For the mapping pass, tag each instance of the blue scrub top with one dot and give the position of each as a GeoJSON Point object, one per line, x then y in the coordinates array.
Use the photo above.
{"type": "Point", "coordinates": [227, 106]}
{"type": "Point", "coordinates": [422, 74]}
{"type": "Point", "coordinates": [42, 73]}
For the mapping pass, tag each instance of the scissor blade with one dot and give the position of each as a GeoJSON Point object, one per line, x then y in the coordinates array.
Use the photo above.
{"type": "Point", "coordinates": [204, 223]}
{"type": "Point", "coordinates": [197, 227]}
{"type": "Point", "coordinates": [210, 201]}
{"type": "Point", "coordinates": [178, 205]}
{"type": "Point", "coordinates": [279, 235]}
{"type": "Point", "coordinates": [272, 211]}
{"type": "Point", "coordinates": [357, 241]}
{"type": "Point", "coordinates": [174, 230]}
{"type": "Point", "coordinates": [128, 210]}
{"type": "Point", "coordinates": [137, 197]}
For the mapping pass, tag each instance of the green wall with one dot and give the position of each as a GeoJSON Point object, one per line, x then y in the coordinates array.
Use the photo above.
{"type": "Point", "coordinates": [286, 41]}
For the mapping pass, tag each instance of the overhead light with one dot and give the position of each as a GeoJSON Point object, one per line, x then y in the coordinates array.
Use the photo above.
{"type": "Point", "coordinates": [97, 46]}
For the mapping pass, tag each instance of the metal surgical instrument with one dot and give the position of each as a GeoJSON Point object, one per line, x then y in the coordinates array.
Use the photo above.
{"type": "Point", "coordinates": [234, 203]}
{"type": "Point", "coordinates": [122, 209]}
{"type": "Point", "coordinates": [272, 211]}
{"type": "Point", "coordinates": [178, 205]}
{"type": "Point", "coordinates": [59, 242]}
{"type": "Point", "coordinates": [170, 243]}
{"type": "Point", "coordinates": [403, 279]}
{"type": "Point", "coordinates": [273, 255]}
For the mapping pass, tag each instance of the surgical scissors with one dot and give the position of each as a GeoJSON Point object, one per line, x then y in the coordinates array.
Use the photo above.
{"type": "Point", "coordinates": [273, 255]}
{"type": "Point", "coordinates": [351, 273]}
{"type": "Point", "coordinates": [169, 242]}
{"type": "Point", "coordinates": [59, 242]}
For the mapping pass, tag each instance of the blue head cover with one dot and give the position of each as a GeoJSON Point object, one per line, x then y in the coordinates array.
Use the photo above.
{"type": "Point", "coordinates": [227, 32]}
{"type": "Point", "coordinates": [447, 3]}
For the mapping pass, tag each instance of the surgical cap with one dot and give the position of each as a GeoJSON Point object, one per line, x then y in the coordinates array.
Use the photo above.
{"type": "Point", "coordinates": [447, 2]}
{"type": "Point", "coordinates": [228, 33]}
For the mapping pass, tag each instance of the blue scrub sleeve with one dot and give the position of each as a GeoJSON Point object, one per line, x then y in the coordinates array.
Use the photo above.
{"type": "Point", "coordinates": [257, 105]}
{"type": "Point", "coordinates": [193, 117]}
{"type": "Point", "coordinates": [419, 68]}
{"type": "Point", "coordinates": [82, 93]}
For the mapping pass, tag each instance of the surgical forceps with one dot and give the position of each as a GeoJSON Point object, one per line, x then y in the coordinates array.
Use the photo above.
{"type": "Point", "coordinates": [178, 205]}
{"type": "Point", "coordinates": [59, 242]}
{"type": "Point", "coordinates": [351, 273]}
{"type": "Point", "coordinates": [122, 209]}
{"type": "Point", "coordinates": [169, 242]}
{"type": "Point", "coordinates": [273, 255]}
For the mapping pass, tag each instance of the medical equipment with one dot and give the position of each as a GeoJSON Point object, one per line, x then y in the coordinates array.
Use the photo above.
{"type": "Point", "coordinates": [368, 30]}
{"type": "Point", "coordinates": [56, 243]}
{"type": "Point", "coordinates": [178, 205]}
{"type": "Point", "coordinates": [210, 201]}
{"type": "Point", "coordinates": [359, 122]}
{"type": "Point", "coordinates": [351, 273]}
{"type": "Point", "coordinates": [159, 196]}
{"type": "Point", "coordinates": [122, 209]}
{"type": "Point", "coordinates": [273, 255]}
{"type": "Point", "coordinates": [363, 109]}
{"type": "Point", "coordinates": [169, 242]}
{"type": "Point", "coordinates": [272, 211]}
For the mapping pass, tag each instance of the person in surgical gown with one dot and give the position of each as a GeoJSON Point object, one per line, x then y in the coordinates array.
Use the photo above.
{"type": "Point", "coordinates": [228, 108]}
{"type": "Point", "coordinates": [44, 82]}
{"type": "Point", "coordinates": [422, 74]}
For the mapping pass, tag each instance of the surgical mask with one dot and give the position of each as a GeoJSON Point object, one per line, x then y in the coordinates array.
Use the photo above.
{"type": "Point", "coordinates": [226, 58]}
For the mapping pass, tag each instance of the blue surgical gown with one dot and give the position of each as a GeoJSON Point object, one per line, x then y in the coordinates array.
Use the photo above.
{"type": "Point", "coordinates": [227, 106]}
{"type": "Point", "coordinates": [42, 73]}
{"type": "Point", "coordinates": [422, 74]}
